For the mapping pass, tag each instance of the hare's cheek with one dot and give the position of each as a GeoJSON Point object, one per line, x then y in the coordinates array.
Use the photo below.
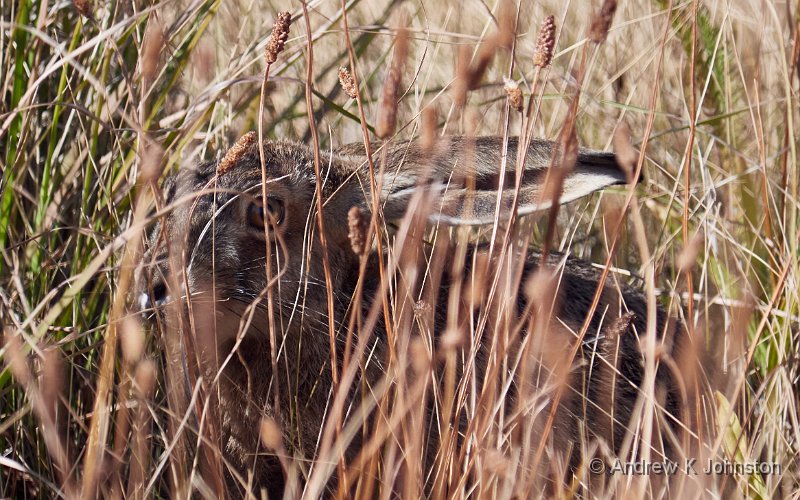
{"type": "Point", "coordinates": [226, 323]}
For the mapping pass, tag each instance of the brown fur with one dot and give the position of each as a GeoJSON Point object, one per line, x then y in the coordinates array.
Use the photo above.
{"type": "Point", "coordinates": [205, 251]}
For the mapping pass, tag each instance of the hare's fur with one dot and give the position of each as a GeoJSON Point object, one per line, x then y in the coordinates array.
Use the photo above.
{"type": "Point", "coordinates": [205, 251]}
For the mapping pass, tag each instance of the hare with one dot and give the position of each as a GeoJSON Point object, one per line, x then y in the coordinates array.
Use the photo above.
{"type": "Point", "coordinates": [206, 278]}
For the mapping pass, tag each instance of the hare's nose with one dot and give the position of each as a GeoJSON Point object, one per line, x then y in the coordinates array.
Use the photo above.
{"type": "Point", "coordinates": [154, 298]}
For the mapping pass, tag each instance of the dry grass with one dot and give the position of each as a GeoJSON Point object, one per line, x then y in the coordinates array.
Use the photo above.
{"type": "Point", "coordinates": [101, 100]}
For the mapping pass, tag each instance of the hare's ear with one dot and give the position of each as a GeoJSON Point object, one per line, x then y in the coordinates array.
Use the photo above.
{"type": "Point", "coordinates": [464, 173]}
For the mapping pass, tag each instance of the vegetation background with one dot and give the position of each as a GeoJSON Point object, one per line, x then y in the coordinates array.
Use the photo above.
{"type": "Point", "coordinates": [93, 91]}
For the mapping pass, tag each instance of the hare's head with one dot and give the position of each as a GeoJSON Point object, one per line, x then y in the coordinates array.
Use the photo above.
{"type": "Point", "coordinates": [212, 245]}
{"type": "Point", "coordinates": [210, 248]}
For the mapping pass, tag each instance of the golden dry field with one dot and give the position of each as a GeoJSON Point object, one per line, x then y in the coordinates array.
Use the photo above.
{"type": "Point", "coordinates": [102, 101]}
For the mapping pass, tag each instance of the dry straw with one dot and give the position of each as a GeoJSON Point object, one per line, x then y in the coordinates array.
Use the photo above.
{"type": "Point", "coordinates": [236, 152]}
{"type": "Point", "coordinates": [280, 33]}
{"type": "Point", "coordinates": [347, 82]}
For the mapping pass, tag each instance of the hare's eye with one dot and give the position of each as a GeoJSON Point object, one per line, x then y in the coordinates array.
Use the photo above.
{"type": "Point", "coordinates": [275, 209]}
{"type": "Point", "coordinates": [255, 212]}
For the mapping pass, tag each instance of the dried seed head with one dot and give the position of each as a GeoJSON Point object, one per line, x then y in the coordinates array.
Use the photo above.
{"type": "Point", "coordinates": [357, 223]}
{"type": "Point", "coordinates": [476, 286]}
{"type": "Point", "coordinates": [84, 7]}
{"type": "Point", "coordinates": [429, 134]}
{"type": "Point", "coordinates": [453, 338]}
{"type": "Point", "coordinates": [271, 434]}
{"type": "Point", "coordinates": [387, 116]}
{"type": "Point", "coordinates": [420, 356]}
{"type": "Point", "coordinates": [460, 85]}
{"type": "Point", "coordinates": [131, 339]}
{"type": "Point", "coordinates": [565, 158]}
{"type": "Point", "coordinates": [280, 33]}
{"type": "Point", "coordinates": [540, 289]}
{"type": "Point", "coordinates": [627, 156]}
{"type": "Point", "coordinates": [15, 359]}
{"type": "Point", "coordinates": [546, 43]}
{"type": "Point", "coordinates": [514, 93]}
{"type": "Point", "coordinates": [496, 463]}
{"type": "Point", "coordinates": [503, 38]}
{"type": "Point", "coordinates": [146, 378]}
{"type": "Point", "coordinates": [601, 22]}
{"type": "Point", "coordinates": [485, 54]}
{"type": "Point", "coordinates": [52, 379]}
{"type": "Point", "coordinates": [611, 208]}
{"type": "Point", "coordinates": [151, 163]}
{"type": "Point", "coordinates": [422, 308]}
{"type": "Point", "coordinates": [688, 256]}
{"type": "Point", "coordinates": [151, 49]}
{"type": "Point", "coordinates": [347, 82]}
{"type": "Point", "coordinates": [620, 326]}
{"type": "Point", "coordinates": [506, 20]}
{"type": "Point", "coordinates": [236, 152]}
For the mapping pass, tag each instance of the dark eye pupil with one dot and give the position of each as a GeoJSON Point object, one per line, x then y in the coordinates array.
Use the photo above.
{"type": "Point", "coordinates": [275, 208]}
{"type": "Point", "coordinates": [256, 214]}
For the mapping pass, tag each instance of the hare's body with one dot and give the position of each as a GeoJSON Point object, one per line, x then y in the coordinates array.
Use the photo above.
{"type": "Point", "coordinates": [210, 251]}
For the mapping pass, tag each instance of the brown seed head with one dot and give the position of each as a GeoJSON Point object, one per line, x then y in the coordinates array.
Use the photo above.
{"type": "Point", "coordinates": [453, 338]}
{"type": "Point", "coordinates": [627, 156]}
{"type": "Point", "coordinates": [428, 126]}
{"type": "Point", "coordinates": [565, 156]}
{"type": "Point", "coordinates": [151, 163]}
{"type": "Point", "coordinates": [485, 55]}
{"type": "Point", "coordinates": [15, 359]}
{"type": "Point", "coordinates": [420, 356]}
{"type": "Point", "coordinates": [151, 49]}
{"type": "Point", "coordinates": [271, 434]}
{"type": "Point", "coordinates": [235, 153]}
{"type": "Point", "coordinates": [52, 379]}
{"type": "Point", "coordinates": [620, 326]}
{"type": "Point", "coordinates": [84, 7]}
{"type": "Point", "coordinates": [460, 85]}
{"type": "Point", "coordinates": [280, 33]}
{"type": "Point", "coordinates": [496, 463]}
{"type": "Point", "coordinates": [546, 43]}
{"type": "Point", "coordinates": [515, 99]}
{"type": "Point", "coordinates": [131, 339]}
{"type": "Point", "coordinates": [598, 31]}
{"type": "Point", "coordinates": [387, 116]}
{"type": "Point", "coordinates": [540, 289]}
{"type": "Point", "coordinates": [347, 82]}
{"type": "Point", "coordinates": [146, 378]}
{"type": "Point", "coordinates": [687, 259]}
{"type": "Point", "coordinates": [357, 223]}
{"type": "Point", "coordinates": [506, 21]}
{"type": "Point", "coordinates": [476, 286]}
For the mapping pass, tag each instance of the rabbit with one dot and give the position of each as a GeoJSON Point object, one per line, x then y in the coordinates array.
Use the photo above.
{"type": "Point", "coordinates": [205, 268]}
